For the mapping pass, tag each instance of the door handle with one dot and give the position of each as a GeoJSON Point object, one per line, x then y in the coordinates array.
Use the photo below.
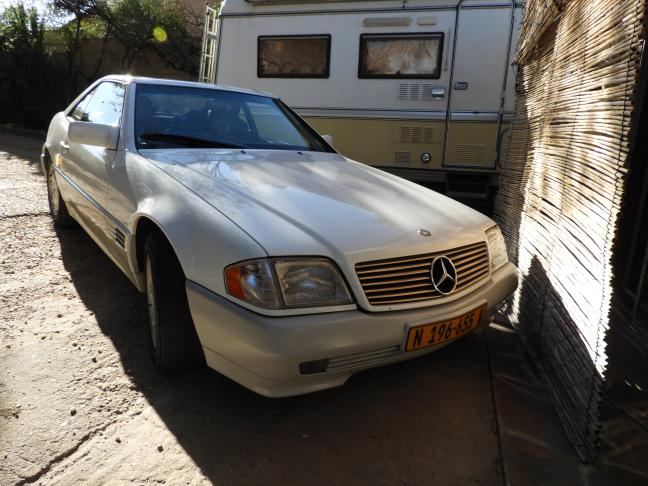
{"type": "Point", "coordinates": [438, 92]}
{"type": "Point", "coordinates": [64, 145]}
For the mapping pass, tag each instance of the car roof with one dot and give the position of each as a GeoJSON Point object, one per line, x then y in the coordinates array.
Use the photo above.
{"type": "Point", "coordinates": [125, 78]}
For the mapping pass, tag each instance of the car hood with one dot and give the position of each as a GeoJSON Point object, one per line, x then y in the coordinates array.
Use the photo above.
{"type": "Point", "coordinates": [313, 203]}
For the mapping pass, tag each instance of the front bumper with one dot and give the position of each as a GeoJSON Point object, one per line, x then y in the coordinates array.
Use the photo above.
{"type": "Point", "coordinates": [264, 353]}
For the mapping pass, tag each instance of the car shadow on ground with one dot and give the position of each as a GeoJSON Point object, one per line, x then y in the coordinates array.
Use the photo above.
{"type": "Point", "coordinates": [411, 423]}
{"type": "Point", "coordinates": [21, 147]}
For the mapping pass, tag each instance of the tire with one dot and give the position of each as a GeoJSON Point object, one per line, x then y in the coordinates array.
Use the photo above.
{"type": "Point", "coordinates": [173, 334]}
{"type": "Point", "coordinates": [58, 209]}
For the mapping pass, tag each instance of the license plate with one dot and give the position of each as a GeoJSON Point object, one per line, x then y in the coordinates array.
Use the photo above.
{"type": "Point", "coordinates": [426, 335]}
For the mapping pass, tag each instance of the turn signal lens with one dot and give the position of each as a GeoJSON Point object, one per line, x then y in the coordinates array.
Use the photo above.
{"type": "Point", "coordinates": [253, 282]}
{"type": "Point", "coordinates": [233, 282]}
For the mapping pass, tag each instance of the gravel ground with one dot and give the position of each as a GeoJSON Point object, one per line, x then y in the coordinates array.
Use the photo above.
{"type": "Point", "coordinates": [81, 403]}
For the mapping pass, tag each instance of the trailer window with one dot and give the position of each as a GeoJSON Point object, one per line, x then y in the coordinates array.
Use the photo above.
{"type": "Point", "coordinates": [400, 56]}
{"type": "Point", "coordinates": [303, 56]}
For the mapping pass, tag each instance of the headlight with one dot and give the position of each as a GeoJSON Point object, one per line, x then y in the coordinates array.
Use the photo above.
{"type": "Point", "coordinates": [279, 283]}
{"type": "Point", "coordinates": [496, 248]}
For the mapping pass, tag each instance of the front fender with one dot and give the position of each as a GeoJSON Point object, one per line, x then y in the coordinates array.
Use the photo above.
{"type": "Point", "coordinates": [204, 240]}
{"type": "Point", "coordinates": [56, 132]}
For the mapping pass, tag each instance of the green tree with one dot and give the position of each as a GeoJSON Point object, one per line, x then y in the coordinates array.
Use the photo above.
{"type": "Point", "coordinates": [28, 74]}
{"type": "Point", "coordinates": [83, 25]}
{"type": "Point", "coordinates": [164, 26]}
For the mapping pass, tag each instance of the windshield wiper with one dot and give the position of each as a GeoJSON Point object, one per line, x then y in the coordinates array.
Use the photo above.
{"type": "Point", "coordinates": [187, 141]}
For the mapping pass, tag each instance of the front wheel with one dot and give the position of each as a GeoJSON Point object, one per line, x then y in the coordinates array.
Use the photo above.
{"type": "Point", "coordinates": [58, 209]}
{"type": "Point", "coordinates": [173, 334]}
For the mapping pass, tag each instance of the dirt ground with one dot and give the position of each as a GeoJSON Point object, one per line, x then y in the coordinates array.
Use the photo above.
{"type": "Point", "coordinates": [81, 403]}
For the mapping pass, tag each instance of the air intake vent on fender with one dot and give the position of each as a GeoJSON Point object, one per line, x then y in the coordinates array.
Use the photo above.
{"type": "Point", "coordinates": [120, 238]}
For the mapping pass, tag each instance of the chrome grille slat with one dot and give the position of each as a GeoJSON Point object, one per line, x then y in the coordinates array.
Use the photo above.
{"type": "Point", "coordinates": [469, 268]}
{"type": "Point", "coordinates": [467, 254]}
{"type": "Point", "coordinates": [473, 277]}
{"type": "Point", "coordinates": [399, 301]}
{"type": "Point", "coordinates": [407, 279]}
{"type": "Point", "coordinates": [465, 259]}
{"type": "Point", "coordinates": [400, 287]}
{"type": "Point", "coordinates": [470, 265]}
{"type": "Point", "coordinates": [462, 249]}
{"type": "Point", "coordinates": [477, 279]}
{"type": "Point", "coordinates": [425, 271]}
{"type": "Point", "coordinates": [424, 277]}
{"type": "Point", "coordinates": [426, 256]}
{"type": "Point", "coordinates": [399, 293]}
{"type": "Point", "coordinates": [381, 270]}
{"type": "Point", "coordinates": [469, 274]}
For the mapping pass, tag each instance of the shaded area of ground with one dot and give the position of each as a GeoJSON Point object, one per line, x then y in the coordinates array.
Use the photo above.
{"type": "Point", "coordinates": [80, 402]}
{"type": "Point", "coordinates": [78, 342]}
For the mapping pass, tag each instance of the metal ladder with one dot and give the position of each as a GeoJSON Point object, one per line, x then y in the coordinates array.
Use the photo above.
{"type": "Point", "coordinates": [207, 73]}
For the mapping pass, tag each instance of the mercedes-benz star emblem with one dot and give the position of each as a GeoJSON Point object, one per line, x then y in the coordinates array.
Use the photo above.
{"type": "Point", "coordinates": [444, 275]}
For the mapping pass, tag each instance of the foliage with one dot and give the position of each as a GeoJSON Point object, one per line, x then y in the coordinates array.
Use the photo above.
{"type": "Point", "coordinates": [73, 33]}
{"type": "Point", "coordinates": [161, 25]}
{"type": "Point", "coordinates": [34, 84]}
{"type": "Point", "coordinates": [28, 74]}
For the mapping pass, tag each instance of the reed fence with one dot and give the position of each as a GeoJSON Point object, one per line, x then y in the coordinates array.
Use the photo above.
{"type": "Point", "coordinates": [561, 190]}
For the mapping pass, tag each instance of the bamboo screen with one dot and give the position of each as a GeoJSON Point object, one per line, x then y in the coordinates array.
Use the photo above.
{"type": "Point", "coordinates": [561, 188]}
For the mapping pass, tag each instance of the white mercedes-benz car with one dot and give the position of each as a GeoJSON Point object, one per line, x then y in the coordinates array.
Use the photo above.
{"type": "Point", "coordinates": [261, 250]}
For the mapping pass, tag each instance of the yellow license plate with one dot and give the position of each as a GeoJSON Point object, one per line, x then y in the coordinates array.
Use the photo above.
{"type": "Point", "coordinates": [426, 335]}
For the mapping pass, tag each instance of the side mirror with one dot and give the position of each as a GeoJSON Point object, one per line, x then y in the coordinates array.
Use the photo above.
{"type": "Point", "coordinates": [328, 139]}
{"type": "Point", "coordinates": [87, 133]}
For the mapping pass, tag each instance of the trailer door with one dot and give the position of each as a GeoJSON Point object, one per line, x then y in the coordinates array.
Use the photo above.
{"type": "Point", "coordinates": [479, 70]}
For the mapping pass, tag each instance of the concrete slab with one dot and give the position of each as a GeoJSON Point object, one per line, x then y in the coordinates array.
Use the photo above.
{"type": "Point", "coordinates": [535, 449]}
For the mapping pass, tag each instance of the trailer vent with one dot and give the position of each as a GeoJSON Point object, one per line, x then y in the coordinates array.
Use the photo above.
{"type": "Point", "coordinates": [417, 135]}
{"type": "Point", "coordinates": [403, 91]}
{"type": "Point", "coordinates": [409, 92]}
{"type": "Point", "coordinates": [415, 92]}
{"type": "Point", "coordinates": [470, 154]}
{"type": "Point", "coordinates": [427, 92]}
{"type": "Point", "coordinates": [402, 157]}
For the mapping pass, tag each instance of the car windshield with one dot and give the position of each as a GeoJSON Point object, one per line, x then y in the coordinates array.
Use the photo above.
{"type": "Point", "coordinates": [177, 116]}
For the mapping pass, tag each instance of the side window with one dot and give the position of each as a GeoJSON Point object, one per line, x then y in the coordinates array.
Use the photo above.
{"type": "Point", "coordinates": [78, 111]}
{"type": "Point", "coordinates": [298, 56]}
{"type": "Point", "coordinates": [400, 56]}
{"type": "Point", "coordinates": [105, 105]}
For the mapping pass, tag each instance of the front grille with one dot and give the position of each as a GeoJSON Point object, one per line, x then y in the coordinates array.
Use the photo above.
{"type": "Point", "coordinates": [408, 279]}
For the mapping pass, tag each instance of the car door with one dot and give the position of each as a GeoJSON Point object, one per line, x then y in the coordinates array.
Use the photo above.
{"type": "Point", "coordinates": [85, 166]}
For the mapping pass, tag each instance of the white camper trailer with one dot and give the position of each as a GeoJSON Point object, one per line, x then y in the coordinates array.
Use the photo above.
{"type": "Point", "coordinates": [422, 88]}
